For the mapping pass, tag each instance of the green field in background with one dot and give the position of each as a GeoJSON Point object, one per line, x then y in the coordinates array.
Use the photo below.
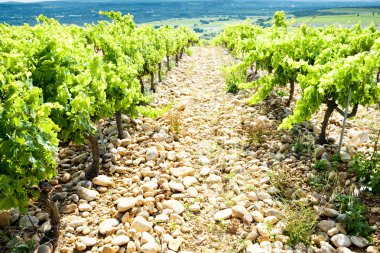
{"type": "Point", "coordinates": [339, 16]}
{"type": "Point", "coordinates": [343, 16]}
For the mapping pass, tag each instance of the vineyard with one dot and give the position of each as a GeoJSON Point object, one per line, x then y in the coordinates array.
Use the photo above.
{"type": "Point", "coordinates": [121, 138]}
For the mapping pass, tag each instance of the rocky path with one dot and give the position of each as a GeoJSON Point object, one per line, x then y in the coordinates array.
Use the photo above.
{"type": "Point", "coordinates": [232, 185]}
{"type": "Point", "coordinates": [210, 123]}
{"type": "Point", "coordinates": [200, 178]}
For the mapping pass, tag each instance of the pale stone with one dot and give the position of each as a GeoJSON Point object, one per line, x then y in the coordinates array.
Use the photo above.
{"type": "Point", "coordinates": [124, 204]}
{"type": "Point", "coordinates": [359, 241]}
{"type": "Point", "coordinates": [205, 171]}
{"type": "Point", "coordinates": [343, 250]}
{"type": "Point", "coordinates": [326, 225]}
{"type": "Point", "coordinates": [140, 224]}
{"type": "Point", "coordinates": [162, 218]}
{"type": "Point", "coordinates": [77, 223]}
{"type": "Point", "coordinates": [66, 177]}
{"type": "Point", "coordinates": [85, 207]}
{"type": "Point", "coordinates": [255, 248]}
{"type": "Point", "coordinates": [223, 214]}
{"type": "Point", "coordinates": [327, 248]}
{"type": "Point", "coordinates": [182, 171]}
{"type": "Point", "coordinates": [131, 246]}
{"type": "Point", "coordinates": [174, 205]}
{"type": "Point", "coordinates": [120, 240]}
{"type": "Point", "coordinates": [176, 186]}
{"type": "Point", "coordinates": [107, 225]}
{"type": "Point", "coordinates": [242, 213]}
{"type": "Point", "coordinates": [175, 243]}
{"type": "Point", "coordinates": [263, 195]}
{"type": "Point", "coordinates": [189, 181]}
{"type": "Point", "coordinates": [341, 240]}
{"type": "Point", "coordinates": [69, 208]}
{"type": "Point", "coordinates": [331, 213]}
{"type": "Point", "coordinates": [44, 249]}
{"type": "Point", "coordinates": [257, 216]}
{"type": "Point", "coordinates": [172, 156]}
{"type": "Point", "coordinates": [102, 180]}
{"type": "Point", "coordinates": [253, 235]}
{"type": "Point", "coordinates": [319, 150]}
{"type": "Point", "coordinates": [151, 154]}
{"type": "Point", "coordinates": [146, 237]}
{"type": "Point", "coordinates": [150, 247]}
{"type": "Point", "coordinates": [195, 208]}
{"type": "Point", "coordinates": [372, 249]}
{"type": "Point", "coordinates": [88, 241]}
{"type": "Point", "coordinates": [333, 231]}
{"type": "Point", "coordinates": [80, 246]}
{"type": "Point", "coordinates": [125, 142]}
{"type": "Point", "coordinates": [87, 194]}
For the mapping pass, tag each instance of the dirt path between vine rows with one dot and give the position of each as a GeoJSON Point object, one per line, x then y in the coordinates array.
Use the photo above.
{"type": "Point", "coordinates": [209, 124]}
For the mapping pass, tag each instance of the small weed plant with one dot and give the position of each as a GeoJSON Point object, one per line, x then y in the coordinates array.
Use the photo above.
{"type": "Point", "coordinates": [321, 165]}
{"type": "Point", "coordinates": [257, 132]}
{"type": "Point", "coordinates": [301, 221]}
{"type": "Point", "coordinates": [234, 75]}
{"type": "Point", "coordinates": [174, 120]}
{"type": "Point", "coordinates": [304, 145]}
{"type": "Point", "coordinates": [318, 182]}
{"type": "Point", "coordinates": [367, 170]}
{"type": "Point", "coordinates": [355, 220]}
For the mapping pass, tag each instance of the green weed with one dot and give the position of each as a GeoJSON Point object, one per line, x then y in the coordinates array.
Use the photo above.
{"type": "Point", "coordinates": [367, 170]}
{"type": "Point", "coordinates": [322, 165]}
{"type": "Point", "coordinates": [355, 221]}
{"type": "Point", "coordinates": [301, 221]}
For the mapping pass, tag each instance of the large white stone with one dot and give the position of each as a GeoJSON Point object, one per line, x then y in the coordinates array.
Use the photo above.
{"type": "Point", "coordinates": [88, 241]}
{"type": "Point", "coordinates": [124, 204]}
{"type": "Point", "coordinates": [103, 180]}
{"type": "Point", "coordinates": [326, 225]}
{"type": "Point", "coordinates": [175, 186]}
{"type": "Point", "coordinates": [107, 225]}
{"type": "Point", "coordinates": [87, 194]}
{"type": "Point", "coordinates": [151, 154]}
{"type": "Point", "coordinates": [150, 247]}
{"type": "Point", "coordinates": [223, 214]}
{"type": "Point", "coordinates": [174, 205]}
{"type": "Point", "coordinates": [174, 244]}
{"type": "Point", "coordinates": [182, 171]}
{"type": "Point", "coordinates": [141, 225]}
{"type": "Point", "coordinates": [359, 241]}
{"type": "Point", "coordinates": [241, 212]}
{"type": "Point", "coordinates": [341, 240]}
{"type": "Point", "coordinates": [120, 240]}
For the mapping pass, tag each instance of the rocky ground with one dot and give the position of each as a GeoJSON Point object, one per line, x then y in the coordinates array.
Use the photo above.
{"type": "Point", "coordinates": [210, 175]}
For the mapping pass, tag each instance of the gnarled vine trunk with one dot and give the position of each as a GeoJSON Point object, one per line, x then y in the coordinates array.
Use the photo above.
{"type": "Point", "coordinates": [159, 72]}
{"type": "Point", "coordinates": [94, 169]}
{"type": "Point", "coordinates": [50, 207]}
{"type": "Point", "coordinates": [119, 125]}
{"type": "Point", "coordinates": [152, 86]}
{"type": "Point", "coordinates": [141, 85]}
{"type": "Point", "coordinates": [176, 59]}
{"type": "Point", "coordinates": [291, 93]}
{"type": "Point", "coordinates": [181, 54]}
{"type": "Point", "coordinates": [168, 62]}
{"type": "Point", "coordinates": [330, 109]}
